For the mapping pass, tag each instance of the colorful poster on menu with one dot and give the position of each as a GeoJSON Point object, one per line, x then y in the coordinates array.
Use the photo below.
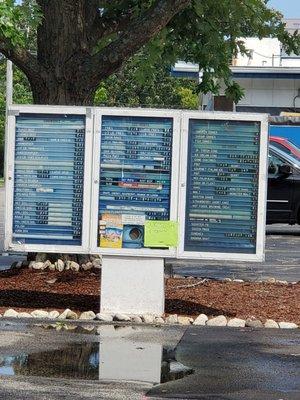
{"type": "Point", "coordinates": [111, 231]}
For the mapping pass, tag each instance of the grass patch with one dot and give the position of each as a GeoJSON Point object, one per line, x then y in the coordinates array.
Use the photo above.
{"type": "Point", "coordinates": [1, 182]}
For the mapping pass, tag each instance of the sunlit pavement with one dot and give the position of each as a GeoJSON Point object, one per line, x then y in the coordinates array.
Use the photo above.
{"type": "Point", "coordinates": [146, 362]}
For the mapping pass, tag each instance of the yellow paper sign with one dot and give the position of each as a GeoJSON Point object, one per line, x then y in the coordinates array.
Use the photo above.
{"type": "Point", "coordinates": [161, 234]}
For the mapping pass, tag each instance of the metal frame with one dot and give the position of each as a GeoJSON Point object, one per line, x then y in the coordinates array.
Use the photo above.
{"type": "Point", "coordinates": [92, 175]}
{"type": "Point", "coordinates": [13, 111]}
{"type": "Point", "coordinates": [99, 112]}
{"type": "Point", "coordinates": [262, 185]}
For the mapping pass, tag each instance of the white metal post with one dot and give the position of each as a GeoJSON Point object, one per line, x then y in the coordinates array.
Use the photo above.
{"type": "Point", "coordinates": [9, 84]}
{"type": "Point", "coordinates": [9, 100]}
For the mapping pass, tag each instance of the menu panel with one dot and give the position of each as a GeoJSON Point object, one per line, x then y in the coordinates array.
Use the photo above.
{"type": "Point", "coordinates": [48, 185]}
{"type": "Point", "coordinates": [135, 178]}
{"type": "Point", "coordinates": [222, 186]}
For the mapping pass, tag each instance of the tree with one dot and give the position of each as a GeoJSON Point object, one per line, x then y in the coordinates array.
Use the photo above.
{"type": "Point", "coordinates": [133, 87]}
{"type": "Point", "coordinates": [80, 43]}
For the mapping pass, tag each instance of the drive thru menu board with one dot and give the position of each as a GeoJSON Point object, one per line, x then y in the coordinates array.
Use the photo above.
{"type": "Point", "coordinates": [222, 186]}
{"type": "Point", "coordinates": [135, 177]}
{"type": "Point", "coordinates": [48, 186]}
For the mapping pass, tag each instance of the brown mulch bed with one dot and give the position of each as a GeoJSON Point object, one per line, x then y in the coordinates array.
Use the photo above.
{"type": "Point", "coordinates": [80, 291]}
{"type": "Point", "coordinates": [243, 300]}
{"type": "Point", "coordinates": [31, 289]}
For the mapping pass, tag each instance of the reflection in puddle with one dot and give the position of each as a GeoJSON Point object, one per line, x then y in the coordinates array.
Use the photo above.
{"type": "Point", "coordinates": [114, 358]}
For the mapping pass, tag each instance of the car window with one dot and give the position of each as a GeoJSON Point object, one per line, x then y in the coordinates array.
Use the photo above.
{"type": "Point", "coordinates": [274, 163]}
{"type": "Point", "coordinates": [281, 147]}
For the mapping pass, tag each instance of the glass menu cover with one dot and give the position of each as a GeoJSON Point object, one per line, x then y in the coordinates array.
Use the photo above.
{"type": "Point", "coordinates": [48, 188]}
{"type": "Point", "coordinates": [222, 186]}
{"type": "Point", "coordinates": [135, 177]}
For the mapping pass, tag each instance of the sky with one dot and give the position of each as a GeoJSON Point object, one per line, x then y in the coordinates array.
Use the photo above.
{"type": "Point", "coordinates": [289, 8]}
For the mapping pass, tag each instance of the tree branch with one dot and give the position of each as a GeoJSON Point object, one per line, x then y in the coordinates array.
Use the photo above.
{"type": "Point", "coordinates": [136, 34]}
{"type": "Point", "coordinates": [103, 27]}
{"type": "Point", "coordinates": [21, 58]}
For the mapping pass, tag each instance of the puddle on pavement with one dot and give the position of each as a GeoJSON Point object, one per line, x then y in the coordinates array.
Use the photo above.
{"type": "Point", "coordinates": [115, 357]}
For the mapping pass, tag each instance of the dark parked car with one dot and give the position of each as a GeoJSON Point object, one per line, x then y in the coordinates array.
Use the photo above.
{"type": "Point", "coordinates": [283, 188]}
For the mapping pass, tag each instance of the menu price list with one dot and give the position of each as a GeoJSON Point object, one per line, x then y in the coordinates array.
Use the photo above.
{"type": "Point", "coordinates": [222, 186]}
{"type": "Point", "coordinates": [135, 167]}
{"type": "Point", "coordinates": [48, 184]}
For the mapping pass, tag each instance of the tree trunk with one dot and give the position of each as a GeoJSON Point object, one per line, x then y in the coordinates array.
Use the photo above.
{"type": "Point", "coordinates": [64, 50]}
{"type": "Point", "coordinates": [62, 93]}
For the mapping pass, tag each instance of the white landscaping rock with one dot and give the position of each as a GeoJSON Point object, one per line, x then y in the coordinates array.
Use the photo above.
{"type": "Point", "coordinates": [237, 323]}
{"type": "Point", "coordinates": [67, 265]}
{"type": "Point", "coordinates": [93, 257]}
{"type": "Point", "coordinates": [24, 315]}
{"type": "Point", "coordinates": [39, 314]}
{"type": "Point", "coordinates": [217, 321]}
{"type": "Point", "coordinates": [87, 315]}
{"type": "Point", "coordinates": [46, 264]}
{"type": "Point", "coordinates": [254, 323]}
{"type": "Point", "coordinates": [89, 328]}
{"type": "Point", "coordinates": [97, 263]}
{"type": "Point", "coordinates": [201, 320]}
{"type": "Point", "coordinates": [31, 264]}
{"type": "Point", "coordinates": [19, 265]}
{"type": "Point", "coordinates": [270, 323]}
{"type": "Point", "coordinates": [121, 317]}
{"type": "Point", "coordinates": [287, 325]}
{"type": "Point", "coordinates": [87, 266]}
{"type": "Point", "coordinates": [73, 266]}
{"type": "Point", "coordinates": [11, 313]}
{"type": "Point", "coordinates": [69, 327]}
{"type": "Point", "coordinates": [60, 265]}
{"type": "Point", "coordinates": [68, 314]}
{"type": "Point", "coordinates": [148, 318]}
{"type": "Point", "coordinates": [104, 317]}
{"type": "Point", "coordinates": [238, 280]}
{"type": "Point", "coordinates": [159, 320]}
{"type": "Point", "coordinates": [53, 314]}
{"type": "Point", "coordinates": [38, 265]}
{"type": "Point", "coordinates": [65, 257]}
{"type": "Point", "coordinates": [52, 267]}
{"type": "Point", "coordinates": [185, 320]}
{"type": "Point", "coordinates": [83, 259]}
{"type": "Point", "coordinates": [172, 319]}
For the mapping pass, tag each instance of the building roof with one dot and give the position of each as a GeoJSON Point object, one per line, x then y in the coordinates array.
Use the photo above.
{"type": "Point", "coordinates": [266, 72]}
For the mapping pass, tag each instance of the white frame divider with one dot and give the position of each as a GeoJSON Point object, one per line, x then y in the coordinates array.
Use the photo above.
{"type": "Point", "coordinates": [92, 178]}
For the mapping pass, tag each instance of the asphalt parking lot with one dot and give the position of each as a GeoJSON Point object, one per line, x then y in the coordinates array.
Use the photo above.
{"type": "Point", "coordinates": [282, 260]}
{"type": "Point", "coordinates": [131, 362]}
